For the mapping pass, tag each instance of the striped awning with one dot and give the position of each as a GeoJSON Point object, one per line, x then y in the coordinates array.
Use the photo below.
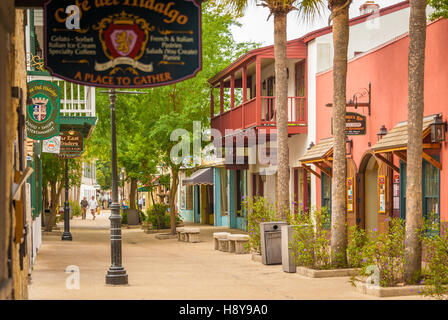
{"type": "Point", "coordinates": [202, 176]}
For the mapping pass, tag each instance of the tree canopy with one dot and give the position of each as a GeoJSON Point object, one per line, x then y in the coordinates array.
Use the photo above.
{"type": "Point", "coordinates": [440, 7]}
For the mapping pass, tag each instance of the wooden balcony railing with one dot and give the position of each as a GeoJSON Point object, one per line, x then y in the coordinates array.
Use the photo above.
{"type": "Point", "coordinates": [260, 111]}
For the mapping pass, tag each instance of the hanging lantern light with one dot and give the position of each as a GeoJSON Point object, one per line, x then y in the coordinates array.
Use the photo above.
{"type": "Point", "coordinates": [438, 129]}
{"type": "Point", "coordinates": [349, 146]}
{"type": "Point", "coordinates": [382, 133]}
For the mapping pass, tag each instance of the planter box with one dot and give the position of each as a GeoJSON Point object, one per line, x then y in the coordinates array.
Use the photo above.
{"type": "Point", "coordinates": [331, 273]}
{"type": "Point", "coordinates": [371, 290]}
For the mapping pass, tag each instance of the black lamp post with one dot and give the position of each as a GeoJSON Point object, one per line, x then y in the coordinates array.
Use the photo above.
{"type": "Point", "coordinates": [116, 275]}
{"type": "Point", "coordinates": [66, 235]}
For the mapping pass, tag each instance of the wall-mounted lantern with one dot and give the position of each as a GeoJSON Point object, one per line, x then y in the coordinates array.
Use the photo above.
{"type": "Point", "coordinates": [348, 146]}
{"type": "Point", "coordinates": [382, 133]}
{"type": "Point", "coordinates": [311, 145]}
{"type": "Point", "coordinates": [438, 129]}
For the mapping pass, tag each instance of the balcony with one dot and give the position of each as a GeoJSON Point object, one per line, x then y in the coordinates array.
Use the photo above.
{"type": "Point", "coordinates": [245, 92]}
{"type": "Point", "coordinates": [260, 112]}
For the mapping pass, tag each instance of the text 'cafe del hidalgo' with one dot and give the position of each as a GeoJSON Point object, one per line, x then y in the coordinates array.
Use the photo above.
{"type": "Point", "coordinates": [377, 96]}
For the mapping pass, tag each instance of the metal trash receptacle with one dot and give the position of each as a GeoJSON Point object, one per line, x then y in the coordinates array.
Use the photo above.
{"type": "Point", "coordinates": [271, 242]}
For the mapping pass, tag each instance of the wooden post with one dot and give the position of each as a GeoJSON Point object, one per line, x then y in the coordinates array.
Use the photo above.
{"type": "Point", "coordinates": [258, 89]}
{"type": "Point", "coordinates": [244, 83]}
{"type": "Point", "coordinates": [232, 91]}
{"type": "Point", "coordinates": [221, 97]}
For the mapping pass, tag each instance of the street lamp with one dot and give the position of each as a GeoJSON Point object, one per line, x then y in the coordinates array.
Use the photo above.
{"type": "Point", "coordinates": [116, 275]}
{"type": "Point", "coordinates": [66, 235]}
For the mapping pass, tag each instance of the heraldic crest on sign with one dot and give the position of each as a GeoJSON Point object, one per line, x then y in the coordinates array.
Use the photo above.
{"type": "Point", "coordinates": [123, 37]}
{"type": "Point", "coordinates": [40, 113]}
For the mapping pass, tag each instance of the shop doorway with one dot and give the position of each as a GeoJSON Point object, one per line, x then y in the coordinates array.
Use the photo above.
{"type": "Point", "coordinates": [368, 193]}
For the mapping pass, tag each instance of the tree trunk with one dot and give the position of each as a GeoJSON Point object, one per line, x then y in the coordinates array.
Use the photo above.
{"type": "Point", "coordinates": [55, 196]}
{"type": "Point", "coordinates": [281, 110]}
{"type": "Point", "coordinates": [132, 193]}
{"type": "Point", "coordinates": [340, 11]}
{"type": "Point", "coordinates": [416, 66]}
{"type": "Point", "coordinates": [172, 199]}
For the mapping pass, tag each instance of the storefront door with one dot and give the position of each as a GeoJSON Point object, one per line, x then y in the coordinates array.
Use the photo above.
{"type": "Point", "coordinates": [371, 197]}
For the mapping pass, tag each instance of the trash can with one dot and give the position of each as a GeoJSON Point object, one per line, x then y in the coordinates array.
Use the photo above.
{"type": "Point", "coordinates": [271, 242]}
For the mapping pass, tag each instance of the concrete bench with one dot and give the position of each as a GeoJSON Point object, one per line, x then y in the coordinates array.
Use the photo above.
{"type": "Point", "coordinates": [178, 232]}
{"type": "Point", "coordinates": [219, 235]}
{"type": "Point", "coordinates": [223, 244]}
{"type": "Point", "coordinates": [237, 242]}
{"type": "Point", "coordinates": [192, 234]}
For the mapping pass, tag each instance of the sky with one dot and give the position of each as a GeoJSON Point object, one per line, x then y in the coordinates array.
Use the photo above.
{"type": "Point", "coordinates": [256, 28]}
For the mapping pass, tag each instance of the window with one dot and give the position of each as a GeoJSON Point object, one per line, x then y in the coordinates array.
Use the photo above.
{"type": "Point", "coordinates": [326, 198]}
{"type": "Point", "coordinates": [430, 191]}
{"type": "Point", "coordinates": [189, 200]}
{"type": "Point", "coordinates": [300, 79]}
{"type": "Point", "coordinates": [240, 190]}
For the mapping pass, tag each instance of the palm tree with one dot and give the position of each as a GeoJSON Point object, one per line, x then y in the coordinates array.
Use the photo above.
{"type": "Point", "coordinates": [340, 17]}
{"type": "Point", "coordinates": [416, 67]}
{"type": "Point", "coordinates": [280, 9]}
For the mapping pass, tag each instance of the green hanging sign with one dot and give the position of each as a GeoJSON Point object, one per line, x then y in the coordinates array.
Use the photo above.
{"type": "Point", "coordinates": [42, 110]}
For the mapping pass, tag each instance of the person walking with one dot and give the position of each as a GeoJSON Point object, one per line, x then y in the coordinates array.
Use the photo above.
{"type": "Point", "coordinates": [84, 205]}
{"type": "Point", "coordinates": [92, 205]}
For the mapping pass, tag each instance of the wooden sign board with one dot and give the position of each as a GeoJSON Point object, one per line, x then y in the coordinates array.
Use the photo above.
{"type": "Point", "coordinates": [72, 145]}
{"type": "Point", "coordinates": [123, 43]}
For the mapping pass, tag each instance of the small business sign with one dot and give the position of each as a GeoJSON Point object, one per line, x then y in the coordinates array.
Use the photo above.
{"type": "Point", "coordinates": [355, 124]}
{"type": "Point", "coordinates": [52, 145]}
{"type": "Point", "coordinates": [123, 43]}
{"type": "Point", "coordinates": [72, 144]}
{"type": "Point", "coordinates": [42, 110]}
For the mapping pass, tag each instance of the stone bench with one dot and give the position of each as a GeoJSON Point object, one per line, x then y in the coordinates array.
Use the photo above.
{"type": "Point", "coordinates": [178, 232]}
{"type": "Point", "coordinates": [236, 243]}
{"type": "Point", "coordinates": [192, 234]}
{"type": "Point", "coordinates": [219, 235]}
{"type": "Point", "coordinates": [223, 244]}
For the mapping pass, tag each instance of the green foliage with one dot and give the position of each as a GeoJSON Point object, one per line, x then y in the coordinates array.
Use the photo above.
{"type": "Point", "coordinates": [440, 7]}
{"type": "Point", "coordinates": [258, 210]}
{"type": "Point", "coordinates": [76, 208]}
{"type": "Point", "coordinates": [310, 244]}
{"type": "Point", "coordinates": [104, 174]}
{"type": "Point", "coordinates": [124, 216]}
{"type": "Point", "coordinates": [53, 170]}
{"type": "Point", "coordinates": [158, 217]}
{"type": "Point", "coordinates": [386, 252]}
{"type": "Point", "coordinates": [435, 271]}
{"type": "Point", "coordinates": [356, 243]}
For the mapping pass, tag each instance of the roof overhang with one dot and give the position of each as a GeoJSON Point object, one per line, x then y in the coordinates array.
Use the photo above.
{"type": "Point", "coordinates": [201, 177]}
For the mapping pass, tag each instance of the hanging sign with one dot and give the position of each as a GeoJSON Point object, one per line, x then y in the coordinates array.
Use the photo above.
{"type": "Point", "coordinates": [42, 112]}
{"type": "Point", "coordinates": [123, 43]}
{"type": "Point", "coordinates": [355, 124]}
{"type": "Point", "coordinates": [52, 145]}
{"type": "Point", "coordinates": [382, 194]}
{"type": "Point", "coordinates": [71, 144]}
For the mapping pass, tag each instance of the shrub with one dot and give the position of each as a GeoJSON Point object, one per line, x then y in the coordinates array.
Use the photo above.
{"type": "Point", "coordinates": [436, 269]}
{"type": "Point", "coordinates": [310, 244]}
{"type": "Point", "coordinates": [357, 239]}
{"type": "Point", "coordinates": [124, 216]}
{"type": "Point", "coordinates": [76, 208]}
{"type": "Point", "coordinates": [259, 209]}
{"type": "Point", "coordinates": [158, 217]}
{"type": "Point", "coordinates": [385, 251]}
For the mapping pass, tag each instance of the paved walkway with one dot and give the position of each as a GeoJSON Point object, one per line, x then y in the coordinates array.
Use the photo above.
{"type": "Point", "coordinates": [167, 269]}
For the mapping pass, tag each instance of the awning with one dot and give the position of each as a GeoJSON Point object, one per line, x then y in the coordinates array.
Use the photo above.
{"type": "Point", "coordinates": [319, 155]}
{"type": "Point", "coordinates": [396, 142]}
{"type": "Point", "coordinates": [397, 138]}
{"type": "Point", "coordinates": [319, 152]}
{"type": "Point", "coordinates": [202, 176]}
{"type": "Point", "coordinates": [143, 189]}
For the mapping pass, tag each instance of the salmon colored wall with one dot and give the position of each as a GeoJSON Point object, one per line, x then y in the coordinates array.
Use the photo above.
{"type": "Point", "coordinates": [386, 69]}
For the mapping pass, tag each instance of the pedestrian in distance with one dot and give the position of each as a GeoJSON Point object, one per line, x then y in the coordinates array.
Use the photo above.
{"type": "Point", "coordinates": [84, 205]}
{"type": "Point", "coordinates": [93, 205]}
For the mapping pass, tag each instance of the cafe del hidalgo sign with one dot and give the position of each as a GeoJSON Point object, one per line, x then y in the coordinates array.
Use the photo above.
{"type": "Point", "coordinates": [123, 43]}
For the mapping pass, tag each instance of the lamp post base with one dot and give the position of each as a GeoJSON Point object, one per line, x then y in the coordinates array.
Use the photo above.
{"type": "Point", "coordinates": [116, 276]}
{"type": "Point", "coordinates": [67, 236]}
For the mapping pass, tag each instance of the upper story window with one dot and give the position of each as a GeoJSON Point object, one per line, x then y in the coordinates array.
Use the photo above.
{"type": "Point", "coordinates": [300, 79]}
